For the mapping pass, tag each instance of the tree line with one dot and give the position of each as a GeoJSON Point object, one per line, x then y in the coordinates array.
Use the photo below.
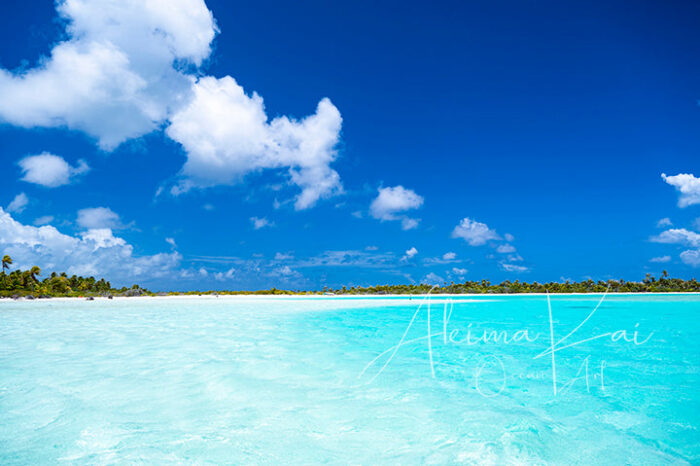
{"type": "Point", "coordinates": [27, 283]}
{"type": "Point", "coordinates": [649, 284]}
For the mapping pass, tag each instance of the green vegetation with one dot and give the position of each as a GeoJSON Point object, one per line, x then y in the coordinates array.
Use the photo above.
{"type": "Point", "coordinates": [26, 283]}
{"type": "Point", "coordinates": [648, 285]}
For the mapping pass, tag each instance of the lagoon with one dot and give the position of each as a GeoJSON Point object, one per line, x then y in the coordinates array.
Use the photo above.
{"type": "Point", "coordinates": [361, 380]}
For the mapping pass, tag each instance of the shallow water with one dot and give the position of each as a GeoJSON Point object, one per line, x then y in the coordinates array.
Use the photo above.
{"type": "Point", "coordinates": [280, 380]}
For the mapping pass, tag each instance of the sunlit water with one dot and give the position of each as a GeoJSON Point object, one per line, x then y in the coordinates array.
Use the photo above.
{"type": "Point", "coordinates": [277, 381]}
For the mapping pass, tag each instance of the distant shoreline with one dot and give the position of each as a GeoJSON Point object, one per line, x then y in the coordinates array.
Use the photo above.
{"type": "Point", "coordinates": [409, 297]}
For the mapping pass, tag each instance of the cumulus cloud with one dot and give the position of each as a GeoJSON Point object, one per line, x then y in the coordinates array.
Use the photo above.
{"type": "Point", "coordinates": [678, 236]}
{"type": "Point", "coordinates": [660, 259]}
{"type": "Point", "coordinates": [171, 242]}
{"type": "Point", "coordinates": [432, 279]}
{"type": "Point", "coordinates": [409, 223]}
{"type": "Point", "coordinates": [459, 272]}
{"type": "Point", "coordinates": [283, 256]}
{"type": "Point", "coordinates": [474, 233]}
{"type": "Point", "coordinates": [18, 204]}
{"type": "Point", "coordinates": [513, 267]}
{"type": "Point", "coordinates": [223, 276]}
{"type": "Point", "coordinates": [448, 257]}
{"type": "Point", "coordinates": [226, 135]}
{"type": "Point", "coordinates": [392, 201]}
{"type": "Point", "coordinates": [286, 272]}
{"type": "Point", "coordinates": [95, 252]}
{"type": "Point", "coordinates": [505, 248]}
{"type": "Point", "coordinates": [50, 170]}
{"type": "Point", "coordinates": [128, 67]}
{"type": "Point", "coordinates": [259, 223]}
{"type": "Point", "coordinates": [117, 75]}
{"type": "Point", "coordinates": [691, 257]}
{"type": "Point", "coordinates": [688, 185]}
{"type": "Point", "coordinates": [99, 217]}
{"type": "Point", "coordinates": [43, 220]}
{"type": "Point", "coordinates": [664, 222]}
{"type": "Point", "coordinates": [409, 254]}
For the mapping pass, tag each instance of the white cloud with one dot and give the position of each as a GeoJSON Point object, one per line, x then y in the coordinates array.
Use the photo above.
{"type": "Point", "coordinates": [259, 223]}
{"type": "Point", "coordinates": [678, 236]}
{"type": "Point", "coordinates": [432, 279]}
{"type": "Point", "coordinates": [99, 217]}
{"type": "Point", "coordinates": [505, 248]}
{"type": "Point", "coordinates": [126, 69]}
{"type": "Point", "coordinates": [688, 185]}
{"type": "Point", "coordinates": [18, 204]}
{"type": "Point", "coordinates": [43, 220]}
{"type": "Point", "coordinates": [664, 222]}
{"type": "Point", "coordinates": [391, 201]}
{"type": "Point", "coordinates": [409, 223]}
{"type": "Point", "coordinates": [349, 258]}
{"type": "Point", "coordinates": [285, 271]}
{"type": "Point", "coordinates": [474, 233]}
{"type": "Point", "coordinates": [283, 256]}
{"type": "Point", "coordinates": [691, 257]}
{"type": "Point", "coordinates": [446, 258]}
{"type": "Point", "coordinates": [50, 170]}
{"type": "Point", "coordinates": [171, 242]}
{"type": "Point", "coordinates": [459, 272]}
{"type": "Point", "coordinates": [410, 253]}
{"type": "Point", "coordinates": [223, 276]}
{"type": "Point", "coordinates": [513, 267]}
{"type": "Point", "coordinates": [660, 259]}
{"type": "Point", "coordinates": [117, 76]}
{"type": "Point", "coordinates": [226, 135]}
{"type": "Point", "coordinates": [508, 237]}
{"type": "Point", "coordinates": [96, 252]}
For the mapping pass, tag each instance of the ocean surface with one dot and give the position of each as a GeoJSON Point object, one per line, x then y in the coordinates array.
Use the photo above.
{"type": "Point", "coordinates": [254, 380]}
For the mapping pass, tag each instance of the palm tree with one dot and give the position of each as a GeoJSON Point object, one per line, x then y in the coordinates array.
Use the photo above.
{"type": "Point", "coordinates": [6, 263]}
{"type": "Point", "coordinates": [33, 273]}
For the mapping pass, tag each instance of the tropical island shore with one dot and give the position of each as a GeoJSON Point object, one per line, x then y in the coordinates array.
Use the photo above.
{"type": "Point", "coordinates": [26, 284]}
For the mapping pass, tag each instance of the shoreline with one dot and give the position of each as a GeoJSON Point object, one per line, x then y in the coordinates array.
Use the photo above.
{"type": "Point", "coordinates": [409, 297]}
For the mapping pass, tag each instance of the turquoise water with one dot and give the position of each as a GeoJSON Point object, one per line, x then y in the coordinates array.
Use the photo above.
{"type": "Point", "coordinates": [273, 381]}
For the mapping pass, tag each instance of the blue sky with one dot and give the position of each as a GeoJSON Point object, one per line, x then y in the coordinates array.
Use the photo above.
{"type": "Point", "coordinates": [294, 145]}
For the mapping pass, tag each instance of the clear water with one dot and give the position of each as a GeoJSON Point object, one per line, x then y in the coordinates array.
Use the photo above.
{"type": "Point", "coordinates": [271, 381]}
